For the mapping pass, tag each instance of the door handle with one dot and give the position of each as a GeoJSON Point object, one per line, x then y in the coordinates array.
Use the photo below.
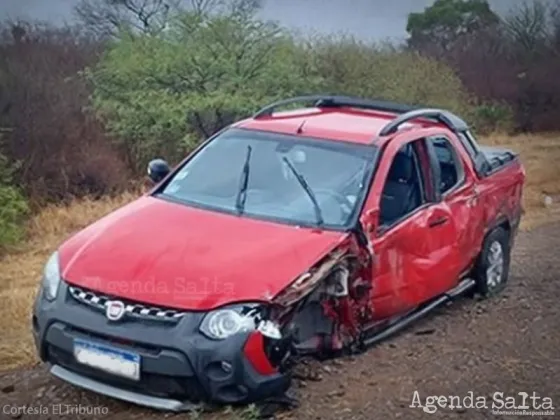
{"type": "Point", "coordinates": [437, 221]}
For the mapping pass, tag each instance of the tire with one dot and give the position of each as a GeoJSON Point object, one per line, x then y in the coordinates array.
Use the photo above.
{"type": "Point", "coordinates": [492, 267]}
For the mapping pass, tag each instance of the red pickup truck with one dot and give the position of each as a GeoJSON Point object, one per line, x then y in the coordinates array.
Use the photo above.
{"type": "Point", "coordinates": [318, 231]}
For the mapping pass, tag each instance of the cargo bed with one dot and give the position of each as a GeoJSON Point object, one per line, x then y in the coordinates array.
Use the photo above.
{"type": "Point", "coordinates": [497, 157]}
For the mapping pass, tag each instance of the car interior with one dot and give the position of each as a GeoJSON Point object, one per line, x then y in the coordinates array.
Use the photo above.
{"type": "Point", "coordinates": [273, 189]}
{"type": "Point", "coordinates": [402, 192]}
{"type": "Point", "coordinates": [447, 164]}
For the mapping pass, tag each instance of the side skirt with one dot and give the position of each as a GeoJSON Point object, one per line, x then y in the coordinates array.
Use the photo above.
{"type": "Point", "coordinates": [413, 316]}
{"type": "Point", "coordinates": [377, 333]}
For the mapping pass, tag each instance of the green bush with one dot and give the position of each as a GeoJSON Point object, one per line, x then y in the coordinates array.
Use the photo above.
{"type": "Point", "coordinates": [13, 208]}
{"type": "Point", "coordinates": [384, 72]}
{"type": "Point", "coordinates": [160, 94]}
{"type": "Point", "coordinates": [491, 117]}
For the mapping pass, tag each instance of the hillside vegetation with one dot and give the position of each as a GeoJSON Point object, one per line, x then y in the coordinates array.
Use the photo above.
{"type": "Point", "coordinates": [82, 109]}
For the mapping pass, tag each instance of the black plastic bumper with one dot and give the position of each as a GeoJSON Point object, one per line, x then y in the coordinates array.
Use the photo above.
{"type": "Point", "coordinates": [178, 362]}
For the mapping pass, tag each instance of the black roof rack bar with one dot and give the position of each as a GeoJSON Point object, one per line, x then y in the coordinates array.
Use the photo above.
{"type": "Point", "coordinates": [369, 104]}
{"type": "Point", "coordinates": [452, 121]}
{"type": "Point", "coordinates": [269, 109]}
{"type": "Point", "coordinates": [407, 112]}
{"type": "Point", "coordinates": [335, 101]}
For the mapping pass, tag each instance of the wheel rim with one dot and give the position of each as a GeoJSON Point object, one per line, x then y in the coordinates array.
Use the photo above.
{"type": "Point", "coordinates": [495, 270]}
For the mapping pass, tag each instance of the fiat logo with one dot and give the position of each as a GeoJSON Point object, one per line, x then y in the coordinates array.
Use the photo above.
{"type": "Point", "coordinates": [114, 310]}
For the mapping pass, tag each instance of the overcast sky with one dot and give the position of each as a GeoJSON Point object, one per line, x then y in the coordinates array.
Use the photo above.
{"type": "Point", "coordinates": [366, 19]}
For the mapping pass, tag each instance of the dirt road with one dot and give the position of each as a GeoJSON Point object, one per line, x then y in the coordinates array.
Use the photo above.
{"type": "Point", "coordinates": [510, 344]}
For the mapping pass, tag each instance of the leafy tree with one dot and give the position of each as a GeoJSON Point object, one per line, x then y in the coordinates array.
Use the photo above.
{"type": "Point", "coordinates": [159, 94]}
{"type": "Point", "coordinates": [345, 65]}
{"type": "Point", "coordinates": [446, 21]}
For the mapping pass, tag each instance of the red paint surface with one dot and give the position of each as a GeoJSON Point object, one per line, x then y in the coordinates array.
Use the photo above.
{"type": "Point", "coordinates": [172, 255]}
{"type": "Point", "coordinates": [255, 354]}
{"type": "Point", "coordinates": [415, 262]}
{"type": "Point", "coordinates": [353, 125]}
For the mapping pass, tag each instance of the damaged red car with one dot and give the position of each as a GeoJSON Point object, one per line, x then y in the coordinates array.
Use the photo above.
{"type": "Point", "coordinates": [315, 231]}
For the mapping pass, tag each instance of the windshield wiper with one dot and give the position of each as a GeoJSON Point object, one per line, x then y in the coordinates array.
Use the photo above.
{"type": "Point", "coordinates": [242, 192]}
{"type": "Point", "coordinates": [308, 190]}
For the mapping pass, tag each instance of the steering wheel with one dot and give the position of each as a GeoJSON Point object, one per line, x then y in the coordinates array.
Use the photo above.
{"type": "Point", "coordinates": [258, 193]}
{"type": "Point", "coordinates": [342, 200]}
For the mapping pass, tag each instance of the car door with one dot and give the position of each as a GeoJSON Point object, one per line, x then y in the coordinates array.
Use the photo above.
{"type": "Point", "coordinates": [413, 243]}
{"type": "Point", "coordinates": [457, 190]}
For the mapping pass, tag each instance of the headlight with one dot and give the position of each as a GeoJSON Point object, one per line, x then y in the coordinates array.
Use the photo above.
{"type": "Point", "coordinates": [51, 278]}
{"type": "Point", "coordinates": [223, 323]}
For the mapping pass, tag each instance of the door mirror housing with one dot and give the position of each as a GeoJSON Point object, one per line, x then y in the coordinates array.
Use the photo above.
{"type": "Point", "coordinates": [158, 169]}
{"type": "Point", "coordinates": [370, 221]}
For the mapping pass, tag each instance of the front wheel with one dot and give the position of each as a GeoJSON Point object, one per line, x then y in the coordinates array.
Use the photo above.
{"type": "Point", "coordinates": [492, 267]}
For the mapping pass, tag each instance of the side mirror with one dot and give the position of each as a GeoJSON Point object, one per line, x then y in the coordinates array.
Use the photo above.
{"type": "Point", "coordinates": [158, 169]}
{"type": "Point", "coordinates": [370, 222]}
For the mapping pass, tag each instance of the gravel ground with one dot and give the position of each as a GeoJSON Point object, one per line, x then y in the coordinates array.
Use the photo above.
{"type": "Point", "coordinates": [509, 344]}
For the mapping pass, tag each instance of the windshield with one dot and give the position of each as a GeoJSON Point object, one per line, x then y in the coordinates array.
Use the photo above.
{"type": "Point", "coordinates": [274, 176]}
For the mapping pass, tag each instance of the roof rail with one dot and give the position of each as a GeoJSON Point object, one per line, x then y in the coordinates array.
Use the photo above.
{"type": "Point", "coordinates": [407, 112]}
{"type": "Point", "coordinates": [450, 120]}
{"type": "Point", "coordinates": [335, 101]}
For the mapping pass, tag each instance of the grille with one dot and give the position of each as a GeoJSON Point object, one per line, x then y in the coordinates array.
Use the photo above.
{"type": "Point", "coordinates": [132, 309]}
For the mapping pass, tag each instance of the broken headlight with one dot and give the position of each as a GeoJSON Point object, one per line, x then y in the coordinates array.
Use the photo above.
{"type": "Point", "coordinates": [223, 323]}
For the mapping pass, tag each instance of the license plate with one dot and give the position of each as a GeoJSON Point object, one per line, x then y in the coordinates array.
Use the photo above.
{"type": "Point", "coordinates": [109, 359]}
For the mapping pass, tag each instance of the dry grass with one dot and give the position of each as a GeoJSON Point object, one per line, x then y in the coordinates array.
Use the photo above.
{"type": "Point", "coordinates": [20, 270]}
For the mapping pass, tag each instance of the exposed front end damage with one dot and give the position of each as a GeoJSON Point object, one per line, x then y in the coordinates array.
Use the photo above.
{"type": "Point", "coordinates": [180, 366]}
{"type": "Point", "coordinates": [197, 358]}
{"type": "Point", "coordinates": [324, 311]}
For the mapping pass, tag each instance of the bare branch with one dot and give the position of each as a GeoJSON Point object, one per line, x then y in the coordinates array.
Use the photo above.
{"type": "Point", "coordinates": [528, 25]}
{"type": "Point", "coordinates": [107, 17]}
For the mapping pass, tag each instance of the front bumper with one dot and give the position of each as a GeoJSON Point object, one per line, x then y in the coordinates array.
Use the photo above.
{"type": "Point", "coordinates": [179, 365]}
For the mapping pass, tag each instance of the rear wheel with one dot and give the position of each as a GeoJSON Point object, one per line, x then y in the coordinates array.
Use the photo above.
{"type": "Point", "coordinates": [492, 268]}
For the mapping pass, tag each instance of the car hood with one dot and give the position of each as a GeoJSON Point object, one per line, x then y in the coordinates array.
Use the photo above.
{"type": "Point", "coordinates": [172, 255]}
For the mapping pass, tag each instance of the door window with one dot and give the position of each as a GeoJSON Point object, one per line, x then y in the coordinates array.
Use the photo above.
{"type": "Point", "coordinates": [403, 192]}
{"type": "Point", "coordinates": [448, 164]}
